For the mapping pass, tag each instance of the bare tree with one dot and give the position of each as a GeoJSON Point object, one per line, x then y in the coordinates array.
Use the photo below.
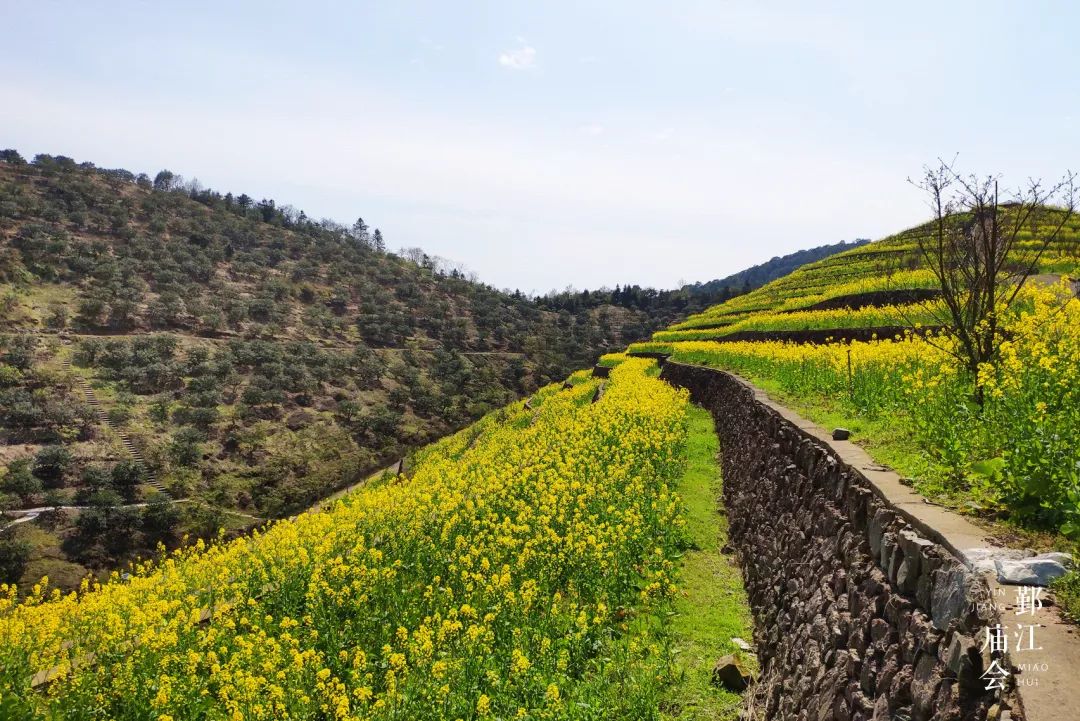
{"type": "Point", "coordinates": [983, 248]}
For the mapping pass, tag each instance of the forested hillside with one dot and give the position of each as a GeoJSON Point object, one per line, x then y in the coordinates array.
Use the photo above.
{"type": "Point", "coordinates": [665, 307]}
{"type": "Point", "coordinates": [756, 276]}
{"type": "Point", "coordinates": [240, 360]}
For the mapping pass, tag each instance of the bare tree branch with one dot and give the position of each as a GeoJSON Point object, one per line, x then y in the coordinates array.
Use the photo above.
{"type": "Point", "coordinates": [975, 245]}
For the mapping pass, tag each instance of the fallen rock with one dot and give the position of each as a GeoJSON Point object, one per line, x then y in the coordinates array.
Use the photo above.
{"type": "Point", "coordinates": [299, 419]}
{"type": "Point", "coordinates": [841, 434]}
{"type": "Point", "coordinates": [1019, 567]}
{"type": "Point", "coordinates": [730, 674]}
{"type": "Point", "coordinates": [741, 644]}
{"type": "Point", "coordinates": [1035, 571]}
{"type": "Point", "coordinates": [984, 560]}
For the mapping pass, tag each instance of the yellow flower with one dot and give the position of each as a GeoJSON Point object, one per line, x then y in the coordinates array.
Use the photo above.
{"type": "Point", "coordinates": [565, 493]}
{"type": "Point", "coordinates": [483, 705]}
{"type": "Point", "coordinates": [519, 663]}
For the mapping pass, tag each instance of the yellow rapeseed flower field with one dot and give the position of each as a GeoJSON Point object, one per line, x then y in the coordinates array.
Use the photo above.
{"type": "Point", "coordinates": [825, 319]}
{"type": "Point", "coordinates": [1017, 450]}
{"type": "Point", "coordinates": [784, 296]}
{"type": "Point", "coordinates": [508, 578]}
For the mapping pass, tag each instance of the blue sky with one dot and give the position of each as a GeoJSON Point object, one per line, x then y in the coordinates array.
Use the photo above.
{"type": "Point", "coordinates": [553, 144]}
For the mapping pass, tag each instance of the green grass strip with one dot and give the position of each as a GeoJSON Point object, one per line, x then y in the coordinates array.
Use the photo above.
{"type": "Point", "coordinates": [712, 608]}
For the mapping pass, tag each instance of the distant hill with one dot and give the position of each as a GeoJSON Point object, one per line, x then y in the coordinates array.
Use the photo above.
{"type": "Point", "coordinates": [664, 307]}
{"type": "Point", "coordinates": [756, 276]}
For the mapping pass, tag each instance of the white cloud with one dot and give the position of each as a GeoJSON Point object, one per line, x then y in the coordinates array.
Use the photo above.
{"type": "Point", "coordinates": [521, 58]}
{"type": "Point", "coordinates": [593, 129]}
{"type": "Point", "coordinates": [665, 134]}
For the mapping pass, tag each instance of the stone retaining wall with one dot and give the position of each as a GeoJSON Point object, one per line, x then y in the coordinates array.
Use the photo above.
{"type": "Point", "coordinates": [861, 611]}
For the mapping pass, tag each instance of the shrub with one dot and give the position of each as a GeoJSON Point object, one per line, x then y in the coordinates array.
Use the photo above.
{"type": "Point", "coordinates": [125, 477]}
{"type": "Point", "coordinates": [14, 554]}
{"type": "Point", "coordinates": [1067, 591]}
{"type": "Point", "coordinates": [50, 465]}
{"type": "Point", "coordinates": [20, 481]}
{"type": "Point", "coordinates": [119, 415]}
{"type": "Point", "coordinates": [185, 447]}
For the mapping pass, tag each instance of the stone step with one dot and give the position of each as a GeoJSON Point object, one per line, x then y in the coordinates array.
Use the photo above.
{"type": "Point", "coordinates": [88, 392]}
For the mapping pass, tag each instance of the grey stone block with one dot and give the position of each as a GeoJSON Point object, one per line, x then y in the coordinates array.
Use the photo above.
{"type": "Point", "coordinates": [1035, 571]}
{"type": "Point", "coordinates": [879, 522]}
{"type": "Point", "coordinates": [924, 685]}
{"type": "Point", "coordinates": [984, 560]}
{"type": "Point", "coordinates": [949, 598]}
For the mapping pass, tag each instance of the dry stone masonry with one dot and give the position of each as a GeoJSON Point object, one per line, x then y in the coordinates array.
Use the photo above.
{"type": "Point", "coordinates": [860, 611]}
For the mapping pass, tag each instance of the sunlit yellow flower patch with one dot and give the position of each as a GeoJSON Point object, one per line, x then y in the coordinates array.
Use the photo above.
{"type": "Point", "coordinates": [492, 582]}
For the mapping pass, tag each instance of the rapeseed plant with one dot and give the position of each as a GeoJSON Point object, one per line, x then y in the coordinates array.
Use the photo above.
{"type": "Point", "coordinates": [493, 583]}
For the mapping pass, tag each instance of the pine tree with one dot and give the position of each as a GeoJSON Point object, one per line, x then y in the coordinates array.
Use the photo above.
{"type": "Point", "coordinates": [360, 232]}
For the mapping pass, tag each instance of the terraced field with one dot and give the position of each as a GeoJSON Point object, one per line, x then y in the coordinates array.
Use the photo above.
{"type": "Point", "coordinates": [850, 341]}
{"type": "Point", "coordinates": [883, 285]}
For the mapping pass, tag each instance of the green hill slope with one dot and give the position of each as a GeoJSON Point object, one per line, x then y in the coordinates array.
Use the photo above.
{"type": "Point", "coordinates": [527, 568]}
{"type": "Point", "coordinates": [882, 285]}
{"type": "Point", "coordinates": [253, 360]}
